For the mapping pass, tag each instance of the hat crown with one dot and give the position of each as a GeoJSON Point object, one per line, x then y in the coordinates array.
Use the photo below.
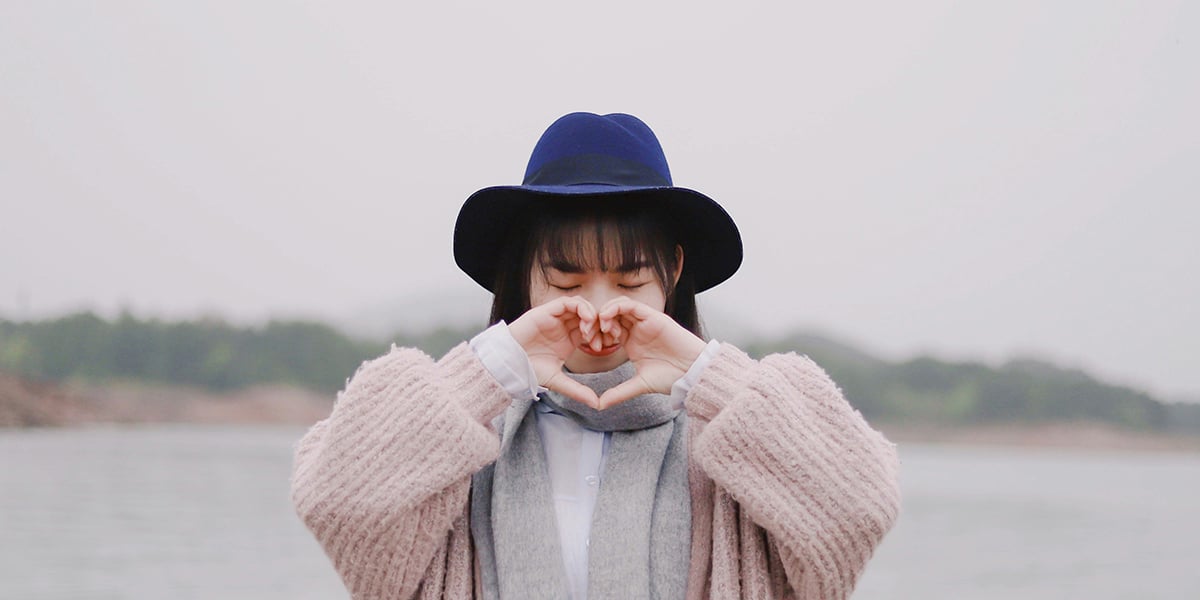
{"type": "Point", "coordinates": [588, 159]}
{"type": "Point", "coordinates": [586, 148]}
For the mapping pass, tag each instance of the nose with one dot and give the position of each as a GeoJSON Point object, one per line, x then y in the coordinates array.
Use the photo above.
{"type": "Point", "coordinates": [598, 294]}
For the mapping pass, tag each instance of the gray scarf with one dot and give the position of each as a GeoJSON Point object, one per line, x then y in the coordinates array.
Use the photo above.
{"type": "Point", "coordinates": [641, 530]}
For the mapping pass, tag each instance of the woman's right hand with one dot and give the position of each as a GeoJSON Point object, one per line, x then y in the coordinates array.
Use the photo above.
{"type": "Point", "coordinates": [549, 333]}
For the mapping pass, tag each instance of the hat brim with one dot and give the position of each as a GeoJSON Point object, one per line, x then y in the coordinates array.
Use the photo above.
{"type": "Point", "coordinates": [711, 243]}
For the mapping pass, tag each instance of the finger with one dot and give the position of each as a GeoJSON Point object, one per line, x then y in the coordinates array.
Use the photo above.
{"type": "Point", "coordinates": [572, 328]}
{"type": "Point", "coordinates": [622, 392]}
{"type": "Point", "coordinates": [572, 304]}
{"type": "Point", "coordinates": [574, 313]}
{"type": "Point", "coordinates": [609, 323]}
{"type": "Point", "coordinates": [569, 387]}
{"type": "Point", "coordinates": [585, 311]}
{"type": "Point", "coordinates": [587, 326]}
{"type": "Point", "coordinates": [576, 338]}
{"type": "Point", "coordinates": [623, 306]}
{"type": "Point", "coordinates": [626, 323]}
{"type": "Point", "coordinates": [584, 308]}
{"type": "Point", "coordinates": [611, 339]}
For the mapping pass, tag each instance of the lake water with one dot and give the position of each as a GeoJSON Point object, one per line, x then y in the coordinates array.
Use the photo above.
{"type": "Point", "coordinates": [203, 512]}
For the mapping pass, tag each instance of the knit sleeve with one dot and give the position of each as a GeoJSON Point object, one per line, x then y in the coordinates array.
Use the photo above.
{"type": "Point", "coordinates": [781, 440]}
{"type": "Point", "coordinates": [380, 482]}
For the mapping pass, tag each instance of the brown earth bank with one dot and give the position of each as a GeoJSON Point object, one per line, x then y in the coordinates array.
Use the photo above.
{"type": "Point", "coordinates": [31, 403]}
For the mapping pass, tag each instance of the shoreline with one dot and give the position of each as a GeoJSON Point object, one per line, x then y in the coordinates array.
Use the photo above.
{"type": "Point", "coordinates": [26, 404]}
{"type": "Point", "coordinates": [1068, 436]}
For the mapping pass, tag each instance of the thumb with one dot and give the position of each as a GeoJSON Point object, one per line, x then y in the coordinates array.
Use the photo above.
{"type": "Point", "coordinates": [626, 390]}
{"type": "Point", "coordinates": [569, 387]}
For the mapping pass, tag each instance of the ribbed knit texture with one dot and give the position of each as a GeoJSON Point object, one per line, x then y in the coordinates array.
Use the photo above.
{"type": "Point", "coordinates": [791, 489]}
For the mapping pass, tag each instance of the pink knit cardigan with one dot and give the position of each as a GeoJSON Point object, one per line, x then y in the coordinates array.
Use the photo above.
{"type": "Point", "coordinates": [791, 489]}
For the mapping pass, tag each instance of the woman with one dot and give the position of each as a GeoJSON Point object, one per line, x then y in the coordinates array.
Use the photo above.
{"type": "Point", "coordinates": [589, 444]}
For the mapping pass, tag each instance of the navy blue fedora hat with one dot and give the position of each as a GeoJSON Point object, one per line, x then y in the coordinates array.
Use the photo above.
{"type": "Point", "coordinates": [584, 157]}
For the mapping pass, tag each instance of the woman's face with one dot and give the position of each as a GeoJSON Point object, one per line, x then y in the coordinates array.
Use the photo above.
{"type": "Point", "coordinates": [636, 281]}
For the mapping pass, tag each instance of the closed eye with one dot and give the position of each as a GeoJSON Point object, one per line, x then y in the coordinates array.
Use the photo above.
{"type": "Point", "coordinates": [562, 288]}
{"type": "Point", "coordinates": [632, 286]}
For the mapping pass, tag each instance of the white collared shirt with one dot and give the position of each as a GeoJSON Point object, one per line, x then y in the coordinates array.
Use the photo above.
{"type": "Point", "coordinates": [575, 455]}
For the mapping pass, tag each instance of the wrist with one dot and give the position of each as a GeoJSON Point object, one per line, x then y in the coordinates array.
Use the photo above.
{"type": "Point", "coordinates": [522, 332]}
{"type": "Point", "coordinates": [690, 350]}
{"type": "Point", "coordinates": [506, 360]}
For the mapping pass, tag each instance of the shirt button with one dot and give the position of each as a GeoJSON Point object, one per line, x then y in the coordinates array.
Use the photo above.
{"type": "Point", "coordinates": [588, 542]}
{"type": "Point", "coordinates": [592, 480]}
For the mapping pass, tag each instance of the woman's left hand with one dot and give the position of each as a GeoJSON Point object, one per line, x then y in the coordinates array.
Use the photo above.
{"type": "Point", "coordinates": [660, 349]}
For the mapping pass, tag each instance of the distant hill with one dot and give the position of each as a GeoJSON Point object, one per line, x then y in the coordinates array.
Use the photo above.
{"type": "Point", "coordinates": [215, 355]}
{"type": "Point", "coordinates": [925, 390]}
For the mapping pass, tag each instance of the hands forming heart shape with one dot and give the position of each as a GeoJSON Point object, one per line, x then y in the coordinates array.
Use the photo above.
{"type": "Point", "coordinates": [660, 349]}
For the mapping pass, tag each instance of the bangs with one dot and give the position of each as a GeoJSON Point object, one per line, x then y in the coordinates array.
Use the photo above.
{"type": "Point", "coordinates": [610, 240]}
{"type": "Point", "coordinates": [613, 235]}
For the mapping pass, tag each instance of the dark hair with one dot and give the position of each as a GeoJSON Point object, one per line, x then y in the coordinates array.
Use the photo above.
{"type": "Point", "coordinates": [550, 233]}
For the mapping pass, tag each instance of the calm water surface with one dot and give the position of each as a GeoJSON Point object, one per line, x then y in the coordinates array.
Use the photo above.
{"type": "Point", "coordinates": [203, 512]}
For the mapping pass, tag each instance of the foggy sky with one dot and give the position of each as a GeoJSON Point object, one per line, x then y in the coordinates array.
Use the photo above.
{"type": "Point", "coordinates": [976, 181]}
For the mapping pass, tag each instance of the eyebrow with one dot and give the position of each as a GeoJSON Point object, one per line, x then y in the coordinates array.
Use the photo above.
{"type": "Point", "coordinates": [566, 267]}
{"type": "Point", "coordinates": [631, 267]}
{"type": "Point", "coordinates": [572, 268]}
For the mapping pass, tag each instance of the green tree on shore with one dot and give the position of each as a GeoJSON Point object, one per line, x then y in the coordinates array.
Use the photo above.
{"type": "Point", "coordinates": [213, 354]}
